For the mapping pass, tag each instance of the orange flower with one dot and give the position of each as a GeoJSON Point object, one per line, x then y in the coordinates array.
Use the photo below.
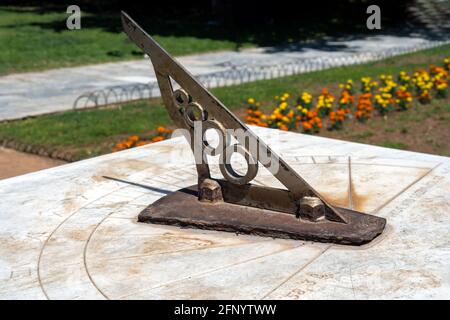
{"type": "Point", "coordinates": [364, 107]}
{"type": "Point", "coordinates": [311, 114]}
{"type": "Point", "coordinates": [332, 116]}
{"type": "Point", "coordinates": [306, 125]}
{"type": "Point", "coordinates": [133, 138]}
{"type": "Point", "coordinates": [317, 121]}
{"type": "Point", "coordinates": [142, 143]}
{"type": "Point", "coordinates": [161, 129]}
{"type": "Point", "coordinates": [157, 138]}
{"type": "Point", "coordinates": [290, 114]}
{"type": "Point", "coordinates": [119, 146]}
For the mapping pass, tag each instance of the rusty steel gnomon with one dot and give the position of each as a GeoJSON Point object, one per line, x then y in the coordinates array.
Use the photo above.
{"type": "Point", "coordinates": [233, 203]}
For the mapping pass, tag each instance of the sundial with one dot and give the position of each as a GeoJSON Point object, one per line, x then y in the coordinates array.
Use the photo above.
{"type": "Point", "coordinates": [72, 232]}
{"type": "Point", "coordinates": [233, 203]}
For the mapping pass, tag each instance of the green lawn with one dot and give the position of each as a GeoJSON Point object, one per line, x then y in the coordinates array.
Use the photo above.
{"type": "Point", "coordinates": [88, 133]}
{"type": "Point", "coordinates": [35, 40]}
{"type": "Point", "coordinates": [93, 132]}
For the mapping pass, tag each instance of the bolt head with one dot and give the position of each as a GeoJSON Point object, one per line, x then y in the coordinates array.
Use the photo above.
{"type": "Point", "coordinates": [209, 190]}
{"type": "Point", "coordinates": [312, 208]}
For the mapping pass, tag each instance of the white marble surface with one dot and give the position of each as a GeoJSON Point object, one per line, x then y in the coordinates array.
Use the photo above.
{"type": "Point", "coordinates": [70, 233]}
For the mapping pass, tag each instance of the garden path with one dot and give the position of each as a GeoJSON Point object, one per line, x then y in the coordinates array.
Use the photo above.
{"type": "Point", "coordinates": [35, 93]}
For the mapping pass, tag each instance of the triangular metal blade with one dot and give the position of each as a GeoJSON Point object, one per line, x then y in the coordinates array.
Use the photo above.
{"type": "Point", "coordinates": [167, 67]}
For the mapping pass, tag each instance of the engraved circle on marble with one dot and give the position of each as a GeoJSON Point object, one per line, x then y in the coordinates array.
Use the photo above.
{"type": "Point", "coordinates": [110, 255]}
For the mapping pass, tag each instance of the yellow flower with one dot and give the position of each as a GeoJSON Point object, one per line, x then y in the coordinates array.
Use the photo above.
{"type": "Point", "coordinates": [251, 101]}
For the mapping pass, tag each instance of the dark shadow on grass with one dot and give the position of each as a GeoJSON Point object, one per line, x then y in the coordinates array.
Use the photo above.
{"type": "Point", "coordinates": [284, 25]}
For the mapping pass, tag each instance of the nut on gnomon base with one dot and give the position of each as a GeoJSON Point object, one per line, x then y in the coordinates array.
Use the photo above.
{"type": "Point", "coordinates": [312, 208]}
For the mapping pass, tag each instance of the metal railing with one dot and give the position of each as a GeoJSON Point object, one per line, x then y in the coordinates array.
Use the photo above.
{"type": "Point", "coordinates": [236, 75]}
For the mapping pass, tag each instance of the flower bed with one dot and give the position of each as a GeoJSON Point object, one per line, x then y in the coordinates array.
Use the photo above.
{"type": "Point", "coordinates": [358, 102]}
{"type": "Point", "coordinates": [376, 97]}
{"type": "Point", "coordinates": [162, 133]}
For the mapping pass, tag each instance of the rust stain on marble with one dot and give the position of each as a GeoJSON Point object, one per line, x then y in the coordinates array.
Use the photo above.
{"type": "Point", "coordinates": [340, 200]}
{"type": "Point", "coordinates": [358, 200]}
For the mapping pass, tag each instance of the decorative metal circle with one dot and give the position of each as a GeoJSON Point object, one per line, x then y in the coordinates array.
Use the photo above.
{"type": "Point", "coordinates": [224, 137]}
{"type": "Point", "coordinates": [227, 170]}
{"type": "Point", "coordinates": [189, 113]}
{"type": "Point", "coordinates": [181, 97]}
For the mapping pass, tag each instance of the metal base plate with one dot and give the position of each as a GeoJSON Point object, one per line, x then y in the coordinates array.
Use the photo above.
{"type": "Point", "coordinates": [182, 208]}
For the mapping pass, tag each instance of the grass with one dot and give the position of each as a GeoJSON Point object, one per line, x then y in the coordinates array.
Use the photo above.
{"type": "Point", "coordinates": [424, 128]}
{"type": "Point", "coordinates": [394, 144]}
{"type": "Point", "coordinates": [32, 40]}
{"type": "Point", "coordinates": [89, 133]}
{"type": "Point", "coordinates": [92, 132]}
{"type": "Point", "coordinates": [36, 38]}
